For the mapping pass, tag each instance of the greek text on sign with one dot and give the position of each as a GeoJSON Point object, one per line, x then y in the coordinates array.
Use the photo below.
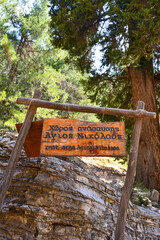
{"type": "Point", "coordinates": [70, 137]}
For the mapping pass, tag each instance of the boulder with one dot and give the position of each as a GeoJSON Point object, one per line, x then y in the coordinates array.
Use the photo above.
{"type": "Point", "coordinates": [155, 196]}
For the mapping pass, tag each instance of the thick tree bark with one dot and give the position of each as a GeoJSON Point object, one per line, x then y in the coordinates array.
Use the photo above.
{"type": "Point", "coordinates": [148, 165]}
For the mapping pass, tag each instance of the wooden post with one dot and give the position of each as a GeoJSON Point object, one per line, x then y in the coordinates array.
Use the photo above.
{"type": "Point", "coordinates": [122, 214]}
{"type": "Point", "coordinates": [8, 174]}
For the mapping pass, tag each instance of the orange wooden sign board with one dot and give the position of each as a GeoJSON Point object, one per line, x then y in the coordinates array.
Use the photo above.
{"type": "Point", "coordinates": [70, 137]}
{"type": "Point", "coordinates": [33, 140]}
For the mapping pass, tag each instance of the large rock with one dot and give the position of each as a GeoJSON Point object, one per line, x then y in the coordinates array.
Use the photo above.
{"type": "Point", "coordinates": [52, 198]}
{"type": "Point", "coordinates": [155, 196]}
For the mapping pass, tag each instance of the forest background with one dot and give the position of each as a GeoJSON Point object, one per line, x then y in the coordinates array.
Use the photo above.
{"type": "Point", "coordinates": [29, 61]}
{"type": "Point", "coordinates": [51, 45]}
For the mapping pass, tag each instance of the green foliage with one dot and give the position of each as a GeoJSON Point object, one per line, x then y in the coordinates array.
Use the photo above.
{"type": "Point", "coordinates": [28, 61]}
{"type": "Point", "coordinates": [74, 26]}
{"type": "Point", "coordinates": [126, 30]}
{"type": "Point", "coordinates": [140, 187]}
{"type": "Point", "coordinates": [128, 34]}
{"type": "Point", "coordinates": [111, 92]}
{"type": "Point", "coordinates": [140, 194]}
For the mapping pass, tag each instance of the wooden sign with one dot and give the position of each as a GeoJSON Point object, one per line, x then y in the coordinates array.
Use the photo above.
{"type": "Point", "coordinates": [68, 137]}
{"type": "Point", "coordinates": [33, 140]}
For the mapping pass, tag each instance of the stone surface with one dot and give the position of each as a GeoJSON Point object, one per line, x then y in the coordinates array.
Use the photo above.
{"type": "Point", "coordinates": [155, 196]}
{"type": "Point", "coordinates": [52, 198]}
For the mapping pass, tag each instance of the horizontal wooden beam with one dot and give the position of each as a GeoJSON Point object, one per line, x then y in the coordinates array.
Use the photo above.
{"type": "Point", "coordinates": [87, 109]}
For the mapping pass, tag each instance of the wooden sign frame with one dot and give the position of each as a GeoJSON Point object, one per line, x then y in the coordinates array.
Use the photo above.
{"type": "Point", "coordinates": [34, 102]}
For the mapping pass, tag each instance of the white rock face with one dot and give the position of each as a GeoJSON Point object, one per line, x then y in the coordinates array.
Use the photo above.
{"type": "Point", "coordinates": [61, 199]}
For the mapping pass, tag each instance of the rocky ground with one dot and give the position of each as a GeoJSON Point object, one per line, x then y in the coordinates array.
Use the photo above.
{"type": "Point", "coordinates": [66, 199]}
{"type": "Point", "coordinates": [113, 173]}
{"type": "Point", "coordinates": [107, 169]}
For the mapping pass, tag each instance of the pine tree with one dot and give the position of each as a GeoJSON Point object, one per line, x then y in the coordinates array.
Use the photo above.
{"type": "Point", "coordinates": [29, 61]}
{"type": "Point", "coordinates": [128, 33]}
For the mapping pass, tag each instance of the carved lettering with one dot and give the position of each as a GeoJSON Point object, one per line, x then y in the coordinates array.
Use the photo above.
{"type": "Point", "coordinates": [47, 135]}
{"type": "Point", "coordinates": [100, 148]}
{"type": "Point", "coordinates": [70, 136]}
{"type": "Point", "coordinates": [53, 136]}
{"type": "Point", "coordinates": [119, 137]}
{"type": "Point", "coordinates": [80, 135]}
{"type": "Point", "coordinates": [83, 136]}
{"type": "Point", "coordinates": [68, 148]}
{"type": "Point", "coordinates": [73, 137]}
{"type": "Point", "coordinates": [51, 147]}
{"type": "Point", "coordinates": [91, 136]}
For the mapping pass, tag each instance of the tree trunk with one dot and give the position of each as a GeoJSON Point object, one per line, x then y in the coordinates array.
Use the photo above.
{"type": "Point", "coordinates": [148, 165]}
